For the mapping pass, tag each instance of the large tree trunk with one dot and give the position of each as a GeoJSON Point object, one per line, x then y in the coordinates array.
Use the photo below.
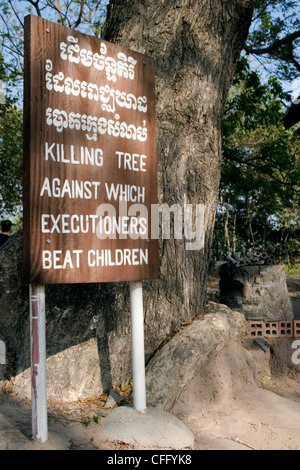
{"type": "Point", "coordinates": [195, 45]}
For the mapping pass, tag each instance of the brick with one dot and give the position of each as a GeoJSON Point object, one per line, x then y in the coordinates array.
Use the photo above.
{"type": "Point", "coordinates": [255, 328]}
{"type": "Point", "coordinates": [296, 328]}
{"type": "Point", "coordinates": [271, 328]}
{"type": "Point", "coordinates": [286, 328]}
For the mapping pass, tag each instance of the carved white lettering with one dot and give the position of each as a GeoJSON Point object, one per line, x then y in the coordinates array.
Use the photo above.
{"type": "Point", "coordinates": [74, 189]}
{"type": "Point", "coordinates": [123, 67]}
{"type": "Point", "coordinates": [92, 125]}
{"type": "Point", "coordinates": [133, 162]}
{"type": "Point", "coordinates": [109, 97]}
{"type": "Point", "coordinates": [74, 155]}
{"type": "Point", "coordinates": [56, 259]}
{"type": "Point", "coordinates": [125, 192]}
{"type": "Point", "coordinates": [129, 257]}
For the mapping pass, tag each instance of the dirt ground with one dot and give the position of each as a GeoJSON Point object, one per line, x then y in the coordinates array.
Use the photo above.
{"type": "Point", "coordinates": [245, 398]}
{"type": "Point", "coordinates": [241, 400]}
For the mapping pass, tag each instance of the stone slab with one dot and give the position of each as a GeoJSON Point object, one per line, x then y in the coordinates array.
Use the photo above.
{"type": "Point", "coordinates": [152, 429]}
{"type": "Point", "coordinates": [170, 369]}
{"type": "Point", "coordinates": [259, 292]}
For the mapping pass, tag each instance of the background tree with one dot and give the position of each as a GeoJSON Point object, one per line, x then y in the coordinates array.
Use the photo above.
{"type": "Point", "coordinates": [86, 16]}
{"type": "Point", "coordinates": [11, 131]}
{"type": "Point", "coordinates": [195, 46]}
{"type": "Point", "coordinates": [274, 37]}
{"type": "Point", "coordinates": [260, 170]}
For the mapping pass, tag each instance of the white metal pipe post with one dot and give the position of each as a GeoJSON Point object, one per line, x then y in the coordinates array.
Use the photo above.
{"type": "Point", "coordinates": [138, 350]}
{"type": "Point", "coordinates": [38, 362]}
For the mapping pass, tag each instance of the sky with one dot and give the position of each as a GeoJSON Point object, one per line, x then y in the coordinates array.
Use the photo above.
{"type": "Point", "coordinates": [295, 88]}
{"type": "Point", "coordinates": [292, 87]}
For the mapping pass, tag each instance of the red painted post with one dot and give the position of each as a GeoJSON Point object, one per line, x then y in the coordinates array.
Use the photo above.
{"type": "Point", "coordinates": [38, 363]}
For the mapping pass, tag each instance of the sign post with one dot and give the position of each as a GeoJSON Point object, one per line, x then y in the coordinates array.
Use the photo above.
{"type": "Point", "coordinates": [138, 350]}
{"type": "Point", "coordinates": [38, 363]}
{"type": "Point", "coordinates": [89, 178]}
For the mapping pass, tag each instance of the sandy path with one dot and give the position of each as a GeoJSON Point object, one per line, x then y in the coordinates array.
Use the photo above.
{"type": "Point", "coordinates": [235, 402]}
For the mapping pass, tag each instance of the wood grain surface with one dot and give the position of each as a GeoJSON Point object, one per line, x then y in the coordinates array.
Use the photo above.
{"type": "Point", "coordinates": [89, 140]}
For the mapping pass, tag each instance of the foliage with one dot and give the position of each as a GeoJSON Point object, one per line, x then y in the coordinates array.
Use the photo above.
{"type": "Point", "coordinates": [95, 419]}
{"type": "Point", "coordinates": [259, 190]}
{"type": "Point", "coordinates": [86, 16]}
{"type": "Point", "coordinates": [274, 37]}
{"type": "Point", "coordinates": [11, 128]}
{"type": "Point", "coordinates": [292, 270]}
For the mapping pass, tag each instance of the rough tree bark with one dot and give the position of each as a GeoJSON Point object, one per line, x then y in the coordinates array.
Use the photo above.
{"type": "Point", "coordinates": [195, 45]}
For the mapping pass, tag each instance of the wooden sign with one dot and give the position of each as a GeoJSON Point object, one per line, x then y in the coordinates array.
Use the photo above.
{"type": "Point", "coordinates": [89, 158]}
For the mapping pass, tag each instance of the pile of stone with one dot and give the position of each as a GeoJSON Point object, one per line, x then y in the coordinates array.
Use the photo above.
{"type": "Point", "coordinates": [251, 259]}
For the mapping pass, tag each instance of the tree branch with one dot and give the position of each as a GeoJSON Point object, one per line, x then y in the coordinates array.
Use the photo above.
{"type": "Point", "coordinates": [78, 21]}
{"type": "Point", "coordinates": [294, 61]}
{"type": "Point", "coordinates": [36, 6]}
{"type": "Point", "coordinates": [16, 13]}
{"type": "Point", "coordinates": [288, 39]}
{"type": "Point", "coordinates": [262, 168]}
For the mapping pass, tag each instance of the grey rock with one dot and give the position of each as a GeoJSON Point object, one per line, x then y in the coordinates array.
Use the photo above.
{"type": "Point", "coordinates": [154, 428]}
{"type": "Point", "coordinates": [264, 345]}
{"type": "Point", "coordinates": [113, 399]}
{"type": "Point", "coordinates": [259, 292]}
{"type": "Point", "coordinates": [175, 363]}
{"type": "Point", "coordinates": [2, 372]}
